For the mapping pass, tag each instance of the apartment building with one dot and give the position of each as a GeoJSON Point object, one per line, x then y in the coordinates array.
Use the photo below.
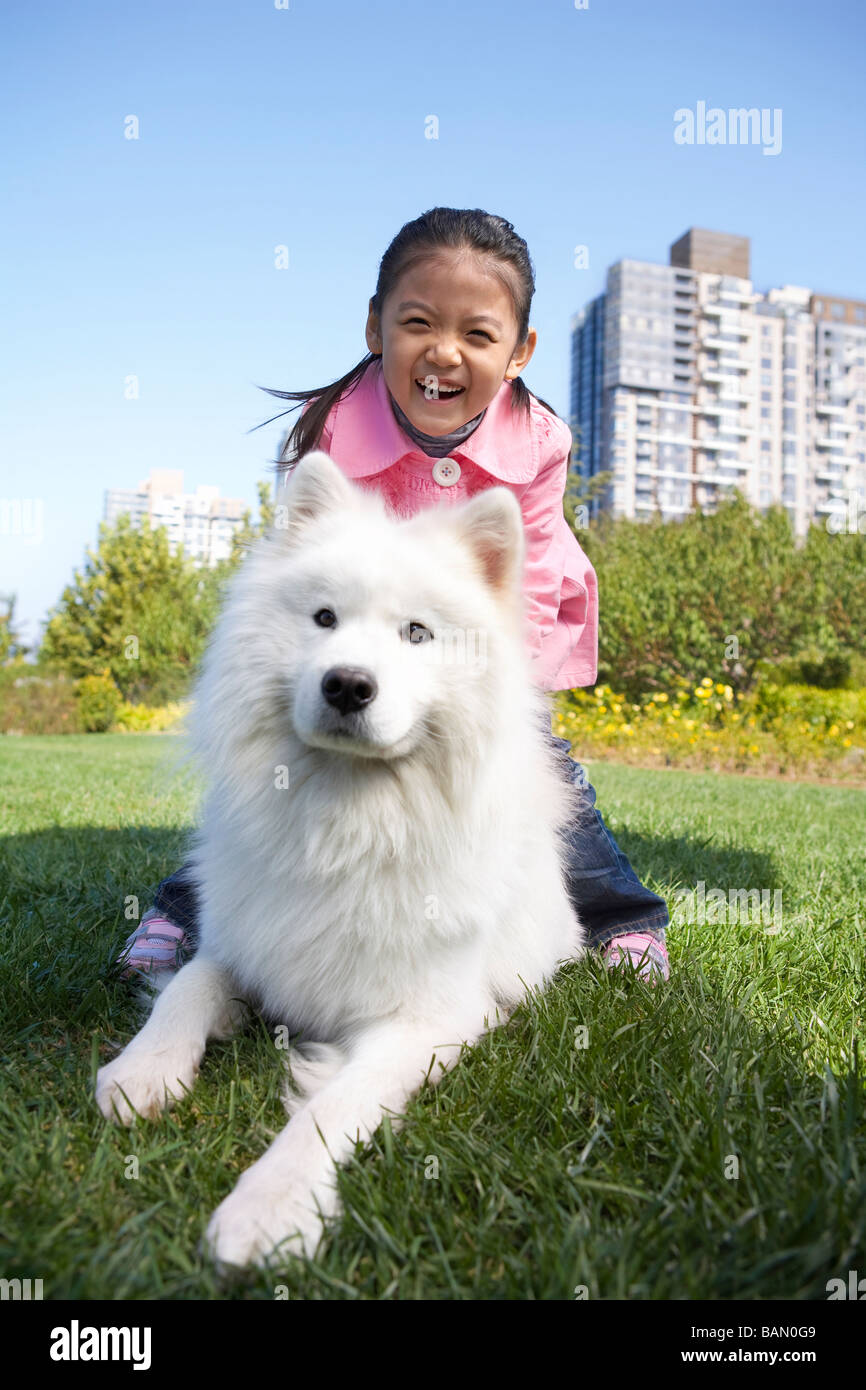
{"type": "Point", "coordinates": [687, 382]}
{"type": "Point", "coordinates": [201, 522]}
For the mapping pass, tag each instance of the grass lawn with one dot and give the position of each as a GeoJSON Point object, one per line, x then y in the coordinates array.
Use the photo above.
{"type": "Point", "coordinates": [707, 1142]}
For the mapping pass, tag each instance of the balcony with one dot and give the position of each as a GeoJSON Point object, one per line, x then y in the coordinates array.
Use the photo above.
{"type": "Point", "coordinates": [734, 294]}
{"type": "Point", "coordinates": [726, 453]}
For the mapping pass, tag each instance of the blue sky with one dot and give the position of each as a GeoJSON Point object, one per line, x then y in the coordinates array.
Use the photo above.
{"type": "Point", "coordinates": [305, 127]}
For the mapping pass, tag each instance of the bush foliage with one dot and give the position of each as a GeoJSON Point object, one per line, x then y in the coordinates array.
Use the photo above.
{"type": "Point", "coordinates": [726, 594]}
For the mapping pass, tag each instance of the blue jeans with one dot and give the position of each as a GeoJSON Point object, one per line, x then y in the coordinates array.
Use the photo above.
{"type": "Point", "coordinates": [606, 892]}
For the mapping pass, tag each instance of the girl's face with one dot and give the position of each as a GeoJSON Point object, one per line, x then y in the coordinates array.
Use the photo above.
{"type": "Point", "coordinates": [447, 323]}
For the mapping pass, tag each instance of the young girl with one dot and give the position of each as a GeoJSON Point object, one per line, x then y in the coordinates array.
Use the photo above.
{"type": "Point", "coordinates": [436, 411]}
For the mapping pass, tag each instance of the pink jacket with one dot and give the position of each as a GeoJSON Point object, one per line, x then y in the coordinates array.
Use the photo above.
{"type": "Point", "coordinates": [530, 455]}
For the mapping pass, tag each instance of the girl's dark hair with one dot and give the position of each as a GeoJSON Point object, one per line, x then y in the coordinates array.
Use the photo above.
{"type": "Point", "coordinates": [441, 228]}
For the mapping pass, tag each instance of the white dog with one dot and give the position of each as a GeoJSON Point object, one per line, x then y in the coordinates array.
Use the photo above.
{"type": "Point", "coordinates": [380, 853]}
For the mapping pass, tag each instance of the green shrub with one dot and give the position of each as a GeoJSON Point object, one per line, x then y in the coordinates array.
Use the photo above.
{"type": "Point", "coordinates": [99, 702]}
{"type": "Point", "coordinates": [731, 594]}
{"type": "Point", "coordinates": [35, 702]}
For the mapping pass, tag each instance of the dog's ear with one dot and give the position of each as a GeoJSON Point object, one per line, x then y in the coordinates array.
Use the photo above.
{"type": "Point", "coordinates": [314, 487]}
{"type": "Point", "coordinates": [491, 526]}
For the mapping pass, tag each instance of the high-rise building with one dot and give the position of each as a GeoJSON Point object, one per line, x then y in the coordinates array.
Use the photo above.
{"type": "Point", "coordinates": [686, 382]}
{"type": "Point", "coordinates": [202, 522]}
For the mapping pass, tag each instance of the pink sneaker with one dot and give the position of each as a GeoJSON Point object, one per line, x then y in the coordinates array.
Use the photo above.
{"type": "Point", "coordinates": [156, 945]}
{"type": "Point", "coordinates": [647, 956]}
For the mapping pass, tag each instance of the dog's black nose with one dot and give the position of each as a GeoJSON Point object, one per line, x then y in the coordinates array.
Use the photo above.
{"type": "Point", "coordinates": [349, 688]}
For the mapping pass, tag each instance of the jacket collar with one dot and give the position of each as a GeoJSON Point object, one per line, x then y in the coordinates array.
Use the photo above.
{"type": "Point", "coordinates": [367, 439]}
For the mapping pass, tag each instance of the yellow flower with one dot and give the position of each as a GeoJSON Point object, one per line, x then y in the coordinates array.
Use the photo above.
{"type": "Point", "coordinates": [729, 694]}
{"type": "Point", "coordinates": [753, 747]}
{"type": "Point", "coordinates": [833, 730]}
{"type": "Point", "coordinates": [707, 682]}
{"type": "Point", "coordinates": [662, 698]}
{"type": "Point", "coordinates": [720, 689]}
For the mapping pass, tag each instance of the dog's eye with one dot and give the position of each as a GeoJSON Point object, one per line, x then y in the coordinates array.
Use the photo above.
{"type": "Point", "coordinates": [325, 617]}
{"type": "Point", "coordinates": [417, 632]}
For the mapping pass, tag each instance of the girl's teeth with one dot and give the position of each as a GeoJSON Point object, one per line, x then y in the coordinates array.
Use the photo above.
{"type": "Point", "coordinates": [443, 390]}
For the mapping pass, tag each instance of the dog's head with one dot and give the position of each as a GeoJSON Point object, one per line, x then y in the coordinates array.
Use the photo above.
{"type": "Point", "coordinates": [387, 633]}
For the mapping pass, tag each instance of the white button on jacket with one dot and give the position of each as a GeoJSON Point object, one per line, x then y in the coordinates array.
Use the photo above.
{"type": "Point", "coordinates": [446, 471]}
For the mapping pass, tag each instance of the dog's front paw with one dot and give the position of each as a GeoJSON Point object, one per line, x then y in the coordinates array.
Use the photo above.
{"type": "Point", "coordinates": [258, 1217]}
{"type": "Point", "coordinates": [142, 1083]}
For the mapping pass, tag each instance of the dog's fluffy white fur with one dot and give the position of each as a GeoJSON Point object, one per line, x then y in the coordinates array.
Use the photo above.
{"type": "Point", "coordinates": [380, 852]}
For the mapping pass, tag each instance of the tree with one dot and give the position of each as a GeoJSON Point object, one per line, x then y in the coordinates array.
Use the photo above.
{"type": "Point", "coordinates": [11, 646]}
{"type": "Point", "coordinates": [141, 612]}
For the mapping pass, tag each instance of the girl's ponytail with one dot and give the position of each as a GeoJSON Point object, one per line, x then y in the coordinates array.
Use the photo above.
{"type": "Point", "coordinates": [307, 430]}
